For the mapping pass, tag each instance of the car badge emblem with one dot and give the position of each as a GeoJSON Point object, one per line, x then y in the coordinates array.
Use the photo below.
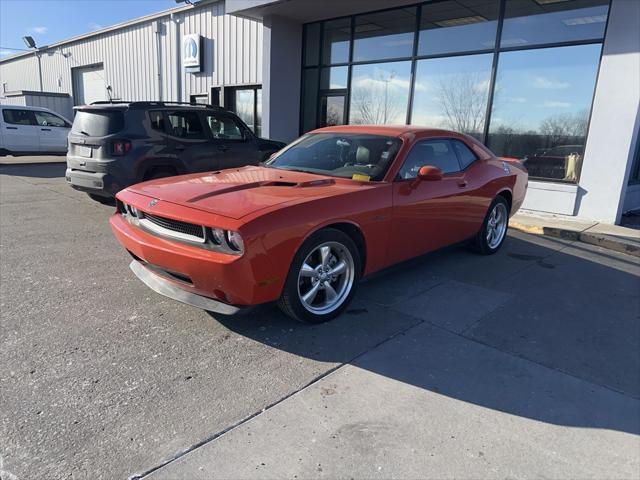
{"type": "Point", "coordinates": [153, 203]}
{"type": "Point", "coordinates": [505, 167]}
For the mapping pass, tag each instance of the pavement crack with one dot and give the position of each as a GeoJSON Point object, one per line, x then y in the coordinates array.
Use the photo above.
{"type": "Point", "coordinates": [250, 417]}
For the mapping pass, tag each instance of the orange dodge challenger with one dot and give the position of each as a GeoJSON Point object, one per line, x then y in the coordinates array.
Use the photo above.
{"type": "Point", "coordinates": [302, 229]}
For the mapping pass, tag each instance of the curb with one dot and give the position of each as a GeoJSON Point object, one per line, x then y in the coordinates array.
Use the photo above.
{"type": "Point", "coordinates": [610, 242]}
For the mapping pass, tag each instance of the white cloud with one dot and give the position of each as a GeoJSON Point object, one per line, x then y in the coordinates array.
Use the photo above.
{"type": "Point", "coordinates": [393, 83]}
{"type": "Point", "coordinates": [545, 83]}
{"type": "Point", "coordinates": [515, 99]}
{"type": "Point", "coordinates": [94, 26]}
{"type": "Point", "coordinates": [40, 30]}
{"type": "Point", "coordinates": [4, 53]}
{"type": "Point", "coordinates": [551, 104]}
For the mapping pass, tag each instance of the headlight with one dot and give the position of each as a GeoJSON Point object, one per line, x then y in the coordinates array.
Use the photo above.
{"type": "Point", "coordinates": [218, 236]}
{"type": "Point", "coordinates": [235, 241]}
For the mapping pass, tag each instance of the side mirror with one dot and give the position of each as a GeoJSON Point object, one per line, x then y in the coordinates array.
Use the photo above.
{"type": "Point", "coordinates": [430, 173]}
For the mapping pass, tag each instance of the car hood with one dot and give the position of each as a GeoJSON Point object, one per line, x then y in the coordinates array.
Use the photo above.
{"type": "Point", "coordinates": [236, 193]}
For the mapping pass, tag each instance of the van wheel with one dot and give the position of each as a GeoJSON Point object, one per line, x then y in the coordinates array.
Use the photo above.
{"type": "Point", "coordinates": [323, 277]}
{"type": "Point", "coordinates": [162, 172]}
{"type": "Point", "coordinates": [103, 200]}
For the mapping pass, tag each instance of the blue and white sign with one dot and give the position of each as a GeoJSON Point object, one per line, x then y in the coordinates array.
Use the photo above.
{"type": "Point", "coordinates": [192, 53]}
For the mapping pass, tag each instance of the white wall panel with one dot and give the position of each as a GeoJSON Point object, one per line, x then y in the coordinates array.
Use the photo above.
{"type": "Point", "coordinates": [134, 66]}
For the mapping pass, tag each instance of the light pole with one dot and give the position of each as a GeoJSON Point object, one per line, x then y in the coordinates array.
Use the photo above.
{"type": "Point", "coordinates": [31, 43]}
{"type": "Point", "coordinates": [386, 94]}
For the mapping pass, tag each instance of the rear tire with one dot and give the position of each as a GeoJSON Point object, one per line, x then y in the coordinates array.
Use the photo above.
{"type": "Point", "coordinates": [103, 200]}
{"type": "Point", "coordinates": [494, 228]}
{"type": "Point", "coordinates": [323, 277]}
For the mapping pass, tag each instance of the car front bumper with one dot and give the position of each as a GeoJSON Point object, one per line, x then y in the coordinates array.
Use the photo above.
{"type": "Point", "coordinates": [204, 276]}
{"type": "Point", "coordinates": [160, 285]}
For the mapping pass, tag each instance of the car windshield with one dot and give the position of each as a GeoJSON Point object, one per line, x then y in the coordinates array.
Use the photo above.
{"type": "Point", "coordinates": [346, 155]}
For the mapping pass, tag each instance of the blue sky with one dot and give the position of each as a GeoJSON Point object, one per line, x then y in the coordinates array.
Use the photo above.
{"type": "Point", "coordinates": [49, 21]}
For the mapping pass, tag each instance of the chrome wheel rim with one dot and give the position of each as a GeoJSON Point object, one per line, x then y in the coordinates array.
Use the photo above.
{"type": "Point", "coordinates": [497, 225]}
{"type": "Point", "coordinates": [325, 278]}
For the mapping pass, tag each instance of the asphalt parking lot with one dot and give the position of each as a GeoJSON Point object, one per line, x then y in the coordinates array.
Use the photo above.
{"type": "Point", "coordinates": [524, 364]}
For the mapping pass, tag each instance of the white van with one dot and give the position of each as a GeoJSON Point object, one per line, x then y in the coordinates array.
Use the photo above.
{"type": "Point", "coordinates": [32, 130]}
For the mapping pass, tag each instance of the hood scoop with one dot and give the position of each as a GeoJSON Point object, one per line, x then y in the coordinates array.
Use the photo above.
{"type": "Point", "coordinates": [242, 186]}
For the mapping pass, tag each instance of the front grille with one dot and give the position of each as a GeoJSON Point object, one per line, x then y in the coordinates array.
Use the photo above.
{"type": "Point", "coordinates": [182, 228]}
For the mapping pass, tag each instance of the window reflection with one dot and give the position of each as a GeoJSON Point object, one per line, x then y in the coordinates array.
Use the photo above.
{"type": "Point", "coordinates": [245, 101]}
{"type": "Point", "coordinates": [452, 93]}
{"type": "Point", "coordinates": [387, 34]}
{"type": "Point", "coordinates": [380, 93]}
{"type": "Point", "coordinates": [458, 26]}
{"type": "Point", "coordinates": [530, 22]}
{"type": "Point", "coordinates": [335, 41]}
{"type": "Point", "coordinates": [541, 108]}
{"type": "Point", "coordinates": [334, 78]}
{"type": "Point", "coordinates": [258, 130]}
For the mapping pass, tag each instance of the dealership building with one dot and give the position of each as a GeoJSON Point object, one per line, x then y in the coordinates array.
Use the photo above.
{"type": "Point", "coordinates": [552, 82]}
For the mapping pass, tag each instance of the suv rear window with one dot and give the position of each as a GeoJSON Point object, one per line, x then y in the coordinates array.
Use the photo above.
{"type": "Point", "coordinates": [98, 123]}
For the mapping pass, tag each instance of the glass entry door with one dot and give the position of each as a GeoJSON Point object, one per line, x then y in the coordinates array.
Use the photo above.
{"type": "Point", "coordinates": [332, 110]}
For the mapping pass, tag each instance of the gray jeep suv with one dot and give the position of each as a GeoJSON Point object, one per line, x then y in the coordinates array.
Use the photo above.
{"type": "Point", "coordinates": [116, 144]}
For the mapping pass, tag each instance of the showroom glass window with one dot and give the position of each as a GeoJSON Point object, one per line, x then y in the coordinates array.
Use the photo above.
{"type": "Point", "coordinates": [385, 34]}
{"type": "Point", "coordinates": [495, 69]}
{"type": "Point", "coordinates": [452, 93]}
{"type": "Point", "coordinates": [541, 108]}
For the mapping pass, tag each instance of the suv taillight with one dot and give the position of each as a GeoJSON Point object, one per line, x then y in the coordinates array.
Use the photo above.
{"type": "Point", "coordinates": [120, 147]}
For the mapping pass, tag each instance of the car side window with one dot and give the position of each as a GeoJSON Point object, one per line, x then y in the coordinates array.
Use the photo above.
{"type": "Point", "coordinates": [186, 125]}
{"type": "Point", "coordinates": [18, 117]}
{"type": "Point", "coordinates": [46, 119]}
{"type": "Point", "coordinates": [157, 120]}
{"type": "Point", "coordinates": [465, 155]}
{"type": "Point", "coordinates": [437, 153]}
{"type": "Point", "coordinates": [223, 127]}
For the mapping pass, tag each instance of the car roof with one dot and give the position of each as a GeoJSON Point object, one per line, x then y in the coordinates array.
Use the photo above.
{"type": "Point", "coordinates": [391, 130]}
{"type": "Point", "coordinates": [25, 107]}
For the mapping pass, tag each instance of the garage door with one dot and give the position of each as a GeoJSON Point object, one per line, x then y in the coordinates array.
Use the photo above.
{"type": "Point", "coordinates": [89, 85]}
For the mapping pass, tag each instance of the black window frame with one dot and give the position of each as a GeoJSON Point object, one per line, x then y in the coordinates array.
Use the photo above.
{"type": "Point", "coordinates": [496, 50]}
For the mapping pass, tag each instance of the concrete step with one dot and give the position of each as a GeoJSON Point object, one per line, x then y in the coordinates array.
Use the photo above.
{"type": "Point", "coordinates": [612, 237]}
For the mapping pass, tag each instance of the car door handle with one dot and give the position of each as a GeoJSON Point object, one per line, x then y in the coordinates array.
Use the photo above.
{"type": "Point", "coordinates": [180, 148]}
{"type": "Point", "coordinates": [45, 129]}
{"type": "Point", "coordinates": [223, 148]}
{"type": "Point", "coordinates": [462, 183]}
{"type": "Point", "coordinates": [12, 128]}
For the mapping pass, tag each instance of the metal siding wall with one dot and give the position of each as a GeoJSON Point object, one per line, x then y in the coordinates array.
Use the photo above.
{"type": "Point", "coordinates": [232, 48]}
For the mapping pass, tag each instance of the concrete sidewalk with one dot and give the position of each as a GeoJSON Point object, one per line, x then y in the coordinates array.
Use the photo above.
{"type": "Point", "coordinates": [612, 237]}
{"type": "Point", "coordinates": [502, 375]}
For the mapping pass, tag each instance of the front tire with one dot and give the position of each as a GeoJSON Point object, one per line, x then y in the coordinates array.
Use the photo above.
{"type": "Point", "coordinates": [323, 277]}
{"type": "Point", "coordinates": [494, 228]}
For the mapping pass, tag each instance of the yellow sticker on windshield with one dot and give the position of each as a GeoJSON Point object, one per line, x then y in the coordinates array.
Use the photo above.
{"type": "Point", "coordinates": [360, 177]}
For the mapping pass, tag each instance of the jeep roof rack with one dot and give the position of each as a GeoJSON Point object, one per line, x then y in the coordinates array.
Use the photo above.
{"type": "Point", "coordinates": [154, 103]}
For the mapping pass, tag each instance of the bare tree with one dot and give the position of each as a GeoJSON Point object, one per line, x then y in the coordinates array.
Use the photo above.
{"type": "Point", "coordinates": [463, 100]}
{"type": "Point", "coordinates": [376, 103]}
{"type": "Point", "coordinates": [562, 127]}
